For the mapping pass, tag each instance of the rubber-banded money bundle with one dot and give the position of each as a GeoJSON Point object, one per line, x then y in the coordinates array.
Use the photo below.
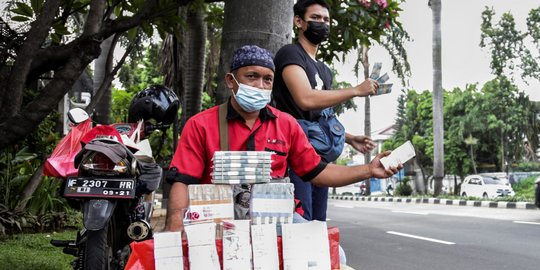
{"type": "Point", "coordinates": [209, 203]}
{"type": "Point", "coordinates": [241, 167]}
{"type": "Point", "coordinates": [272, 203]}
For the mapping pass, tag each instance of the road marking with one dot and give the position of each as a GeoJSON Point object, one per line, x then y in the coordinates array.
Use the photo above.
{"type": "Point", "coordinates": [527, 222]}
{"type": "Point", "coordinates": [414, 213]}
{"type": "Point", "coordinates": [421, 238]}
{"type": "Point", "coordinates": [343, 206]}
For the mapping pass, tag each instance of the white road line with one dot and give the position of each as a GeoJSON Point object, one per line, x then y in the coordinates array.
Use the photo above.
{"type": "Point", "coordinates": [527, 222]}
{"type": "Point", "coordinates": [343, 206]}
{"type": "Point", "coordinates": [414, 213]}
{"type": "Point", "coordinates": [421, 238]}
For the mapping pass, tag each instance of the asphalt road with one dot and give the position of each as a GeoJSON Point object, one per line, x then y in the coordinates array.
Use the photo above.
{"type": "Point", "coordinates": [390, 235]}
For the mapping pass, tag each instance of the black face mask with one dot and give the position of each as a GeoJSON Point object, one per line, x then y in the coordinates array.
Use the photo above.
{"type": "Point", "coordinates": [317, 32]}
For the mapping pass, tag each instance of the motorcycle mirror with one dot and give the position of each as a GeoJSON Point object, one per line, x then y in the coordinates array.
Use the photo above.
{"type": "Point", "coordinates": [77, 115]}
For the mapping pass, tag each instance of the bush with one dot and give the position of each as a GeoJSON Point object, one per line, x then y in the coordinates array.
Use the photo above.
{"type": "Point", "coordinates": [403, 188]}
{"type": "Point", "coordinates": [525, 188]}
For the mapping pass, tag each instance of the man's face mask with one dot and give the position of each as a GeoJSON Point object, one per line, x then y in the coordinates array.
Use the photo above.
{"type": "Point", "coordinates": [317, 32]}
{"type": "Point", "coordinates": [251, 98]}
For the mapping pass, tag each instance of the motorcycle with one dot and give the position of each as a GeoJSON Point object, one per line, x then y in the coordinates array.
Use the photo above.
{"type": "Point", "coordinates": [114, 186]}
{"type": "Point", "coordinates": [390, 189]}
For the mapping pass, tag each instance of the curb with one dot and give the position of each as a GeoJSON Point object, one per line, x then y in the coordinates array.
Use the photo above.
{"type": "Point", "coordinates": [489, 204]}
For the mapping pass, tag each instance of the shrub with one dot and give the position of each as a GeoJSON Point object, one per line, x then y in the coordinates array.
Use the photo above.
{"type": "Point", "coordinates": [525, 188]}
{"type": "Point", "coordinates": [403, 188]}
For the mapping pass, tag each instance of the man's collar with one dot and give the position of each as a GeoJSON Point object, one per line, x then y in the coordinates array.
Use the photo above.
{"type": "Point", "coordinates": [264, 114]}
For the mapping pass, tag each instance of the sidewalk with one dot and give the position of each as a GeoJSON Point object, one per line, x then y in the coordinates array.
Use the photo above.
{"type": "Point", "coordinates": [490, 204]}
{"type": "Point", "coordinates": [158, 219]}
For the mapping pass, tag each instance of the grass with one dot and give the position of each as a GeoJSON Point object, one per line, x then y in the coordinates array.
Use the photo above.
{"type": "Point", "coordinates": [34, 251]}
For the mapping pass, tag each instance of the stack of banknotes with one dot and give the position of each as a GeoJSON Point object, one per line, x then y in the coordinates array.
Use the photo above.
{"type": "Point", "coordinates": [241, 167]}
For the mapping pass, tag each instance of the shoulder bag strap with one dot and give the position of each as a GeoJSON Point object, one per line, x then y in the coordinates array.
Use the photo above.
{"type": "Point", "coordinates": [223, 127]}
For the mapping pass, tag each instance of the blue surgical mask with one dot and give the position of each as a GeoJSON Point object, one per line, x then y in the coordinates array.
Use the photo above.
{"type": "Point", "coordinates": [251, 98]}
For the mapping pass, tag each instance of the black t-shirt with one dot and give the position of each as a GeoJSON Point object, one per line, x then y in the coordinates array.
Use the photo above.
{"type": "Point", "coordinates": [319, 75]}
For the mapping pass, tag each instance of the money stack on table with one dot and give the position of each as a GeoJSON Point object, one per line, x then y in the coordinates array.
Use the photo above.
{"type": "Point", "coordinates": [241, 167]}
{"type": "Point", "coordinates": [272, 203]}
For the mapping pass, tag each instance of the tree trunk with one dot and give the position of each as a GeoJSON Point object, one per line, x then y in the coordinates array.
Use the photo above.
{"type": "Point", "coordinates": [438, 124]}
{"type": "Point", "coordinates": [30, 188]}
{"type": "Point", "coordinates": [367, 113]}
{"type": "Point", "coordinates": [193, 59]}
{"type": "Point", "coordinates": [101, 69]}
{"type": "Point", "coordinates": [264, 23]}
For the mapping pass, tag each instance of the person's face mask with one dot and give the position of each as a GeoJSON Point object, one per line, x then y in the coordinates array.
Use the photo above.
{"type": "Point", "coordinates": [251, 98]}
{"type": "Point", "coordinates": [317, 32]}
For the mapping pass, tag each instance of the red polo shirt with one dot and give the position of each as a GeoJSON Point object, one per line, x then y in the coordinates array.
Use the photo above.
{"type": "Point", "coordinates": [273, 131]}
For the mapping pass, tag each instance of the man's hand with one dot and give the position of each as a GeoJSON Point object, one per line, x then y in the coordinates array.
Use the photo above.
{"type": "Point", "coordinates": [378, 170]}
{"type": "Point", "coordinates": [362, 144]}
{"type": "Point", "coordinates": [366, 88]}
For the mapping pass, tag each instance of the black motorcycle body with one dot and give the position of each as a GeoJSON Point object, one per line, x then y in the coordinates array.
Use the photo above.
{"type": "Point", "coordinates": [113, 189]}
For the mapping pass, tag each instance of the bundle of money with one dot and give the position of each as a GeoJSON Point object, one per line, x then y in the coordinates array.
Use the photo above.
{"type": "Point", "coordinates": [272, 203]}
{"type": "Point", "coordinates": [209, 203]}
{"type": "Point", "coordinates": [241, 167]}
{"type": "Point", "coordinates": [384, 88]}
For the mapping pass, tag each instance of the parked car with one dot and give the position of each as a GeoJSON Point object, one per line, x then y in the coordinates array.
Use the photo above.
{"type": "Point", "coordinates": [349, 190]}
{"type": "Point", "coordinates": [484, 186]}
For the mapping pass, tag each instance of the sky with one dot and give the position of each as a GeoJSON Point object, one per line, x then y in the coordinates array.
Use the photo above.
{"type": "Point", "coordinates": [463, 61]}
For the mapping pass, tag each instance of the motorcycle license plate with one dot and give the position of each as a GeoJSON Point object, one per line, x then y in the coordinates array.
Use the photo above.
{"type": "Point", "coordinates": [100, 187]}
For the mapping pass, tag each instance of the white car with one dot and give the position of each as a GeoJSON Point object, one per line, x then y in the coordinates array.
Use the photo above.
{"type": "Point", "coordinates": [483, 186]}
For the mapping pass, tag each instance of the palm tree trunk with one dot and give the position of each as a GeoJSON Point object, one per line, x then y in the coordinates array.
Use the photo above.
{"type": "Point", "coordinates": [193, 59]}
{"type": "Point", "coordinates": [367, 113]}
{"type": "Point", "coordinates": [270, 29]}
{"type": "Point", "coordinates": [438, 124]}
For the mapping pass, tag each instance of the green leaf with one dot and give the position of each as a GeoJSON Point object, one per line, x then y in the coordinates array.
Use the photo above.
{"type": "Point", "coordinates": [24, 9]}
{"type": "Point", "coordinates": [20, 18]}
{"type": "Point", "coordinates": [132, 33]}
{"type": "Point", "coordinates": [61, 29]}
{"type": "Point", "coordinates": [36, 5]}
{"type": "Point", "coordinates": [55, 38]}
{"type": "Point", "coordinates": [148, 29]}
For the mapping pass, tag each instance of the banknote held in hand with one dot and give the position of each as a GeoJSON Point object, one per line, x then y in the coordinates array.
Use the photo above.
{"type": "Point", "coordinates": [384, 88]}
{"type": "Point", "coordinates": [401, 155]}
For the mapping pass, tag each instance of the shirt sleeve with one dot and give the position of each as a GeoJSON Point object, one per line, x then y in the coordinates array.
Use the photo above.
{"type": "Point", "coordinates": [302, 156]}
{"type": "Point", "coordinates": [289, 55]}
{"type": "Point", "coordinates": [188, 163]}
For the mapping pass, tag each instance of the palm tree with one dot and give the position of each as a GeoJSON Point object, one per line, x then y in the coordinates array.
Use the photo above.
{"type": "Point", "coordinates": [438, 125]}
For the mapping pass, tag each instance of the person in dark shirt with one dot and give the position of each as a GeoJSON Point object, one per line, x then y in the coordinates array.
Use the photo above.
{"type": "Point", "coordinates": [303, 88]}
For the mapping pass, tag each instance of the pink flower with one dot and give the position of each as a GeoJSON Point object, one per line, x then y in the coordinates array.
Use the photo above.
{"type": "Point", "coordinates": [381, 3]}
{"type": "Point", "coordinates": [386, 25]}
{"type": "Point", "coordinates": [365, 3]}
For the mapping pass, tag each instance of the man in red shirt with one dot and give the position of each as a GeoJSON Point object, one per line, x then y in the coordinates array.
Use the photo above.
{"type": "Point", "coordinates": [253, 126]}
